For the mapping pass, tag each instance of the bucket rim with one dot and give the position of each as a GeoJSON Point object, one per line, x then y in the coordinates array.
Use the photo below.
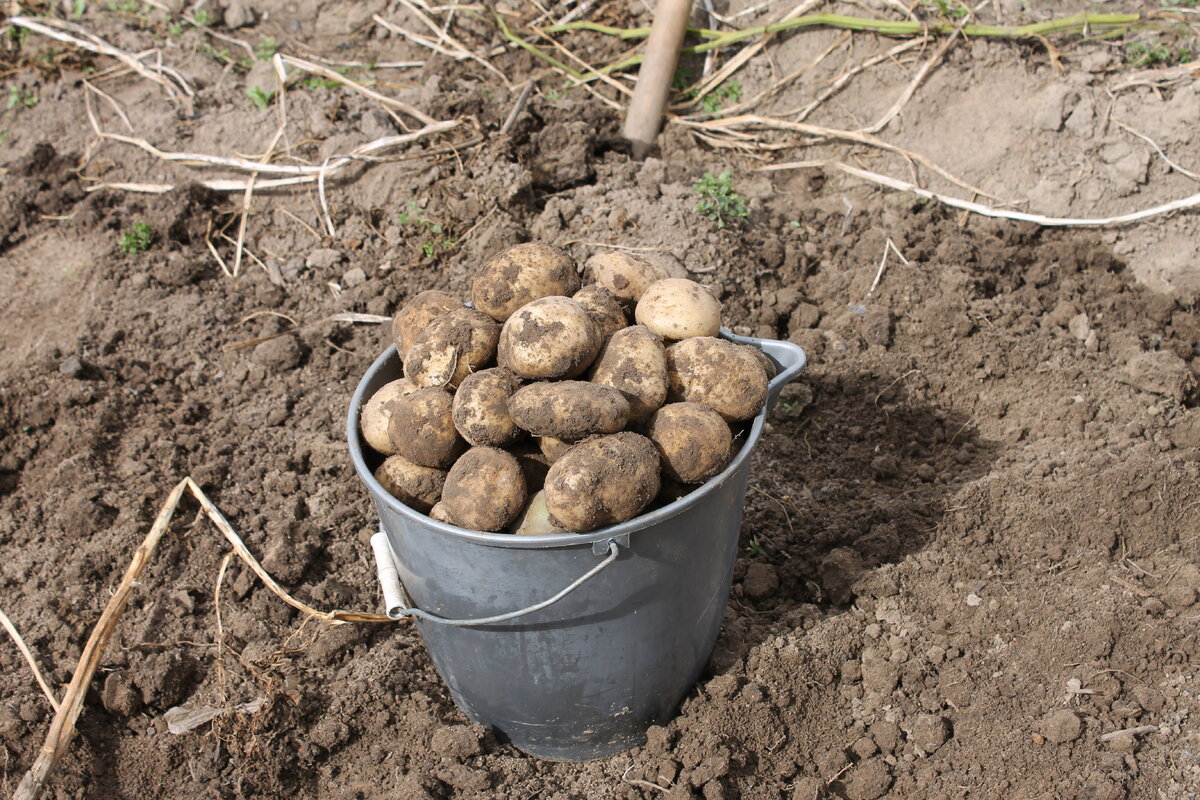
{"type": "Point", "coordinates": [569, 539]}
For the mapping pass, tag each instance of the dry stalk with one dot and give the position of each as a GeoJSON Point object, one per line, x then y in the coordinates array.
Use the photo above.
{"type": "Point", "coordinates": [62, 726]}
{"type": "Point", "coordinates": [1038, 219]}
{"type": "Point", "coordinates": [29, 659]}
{"type": "Point", "coordinates": [911, 89]}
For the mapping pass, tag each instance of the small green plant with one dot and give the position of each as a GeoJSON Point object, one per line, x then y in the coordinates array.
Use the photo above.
{"type": "Point", "coordinates": [17, 35]}
{"type": "Point", "coordinates": [128, 6]}
{"type": "Point", "coordinates": [260, 97]}
{"type": "Point", "coordinates": [175, 28]}
{"type": "Point", "coordinates": [714, 100]}
{"type": "Point", "coordinates": [78, 8]}
{"type": "Point", "coordinates": [435, 240]}
{"type": "Point", "coordinates": [21, 97]}
{"type": "Point", "coordinates": [221, 55]}
{"type": "Point", "coordinates": [718, 200]}
{"type": "Point", "coordinates": [681, 79]}
{"type": "Point", "coordinates": [267, 47]}
{"type": "Point", "coordinates": [948, 11]}
{"type": "Point", "coordinates": [1149, 54]}
{"type": "Point", "coordinates": [755, 550]}
{"type": "Point", "coordinates": [137, 239]}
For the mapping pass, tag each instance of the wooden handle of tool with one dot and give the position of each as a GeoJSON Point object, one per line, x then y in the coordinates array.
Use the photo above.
{"type": "Point", "coordinates": [658, 70]}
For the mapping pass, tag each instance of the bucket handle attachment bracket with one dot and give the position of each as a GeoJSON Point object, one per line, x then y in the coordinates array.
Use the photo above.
{"type": "Point", "coordinates": [397, 604]}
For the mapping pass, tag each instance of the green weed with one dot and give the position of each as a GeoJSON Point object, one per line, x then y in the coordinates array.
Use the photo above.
{"type": "Point", "coordinates": [755, 550]}
{"type": "Point", "coordinates": [137, 239]}
{"type": "Point", "coordinates": [718, 200]}
{"type": "Point", "coordinates": [1150, 54]}
{"type": "Point", "coordinates": [260, 97]}
{"type": "Point", "coordinates": [78, 8]}
{"type": "Point", "coordinates": [267, 47]}
{"type": "Point", "coordinates": [434, 232]}
{"type": "Point", "coordinates": [21, 97]}
{"type": "Point", "coordinates": [714, 100]}
{"type": "Point", "coordinates": [201, 17]}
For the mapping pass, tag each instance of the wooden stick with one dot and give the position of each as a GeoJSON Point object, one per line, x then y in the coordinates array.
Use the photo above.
{"type": "Point", "coordinates": [654, 78]}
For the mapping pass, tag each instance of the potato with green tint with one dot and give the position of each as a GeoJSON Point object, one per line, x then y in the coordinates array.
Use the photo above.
{"type": "Point", "coordinates": [415, 316]}
{"type": "Point", "coordinates": [693, 442]}
{"type": "Point", "coordinates": [535, 519]}
{"type": "Point", "coordinates": [677, 308]}
{"type": "Point", "coordinates": [415, 486]}
{"type": "Point", "coordinates": [568, 409]}
{"type": "Point", "coordinates": [602, 481]}
{"type": "Point", "coordinates": [422, 428]}
{"type": "Point", "coordinates": [485, 490]}
{"type": "Point", "coordinates": [625, 275]}
{"type": "Point", "coordinates": [717, 374]}
{"type": "Point", "coordinates": [520, 275]}
{"type": "Point", "coordinates": [453, 346]}
{"type": "Point", "coordinates": [550, 338]}
{"type": "Point", "coordinates": [377, 413]}
{"type": "Point", "coordinates": [634, 362]}
{"type": "Point", "coordinates": [481, 408]}
{"type": "Point", "coordinates": [604, 308]}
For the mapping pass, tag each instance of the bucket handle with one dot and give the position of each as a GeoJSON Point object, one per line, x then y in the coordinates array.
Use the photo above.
{"type": "Point", "coordinates": [396, 604]}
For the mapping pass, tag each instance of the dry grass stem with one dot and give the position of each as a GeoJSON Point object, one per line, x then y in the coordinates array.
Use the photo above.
{"type": "Point", "coordinates": [1158, 150]}
{"type": "Point", "coordinates": [388, 102]}
{"type": "Point", "coordinates": [801, 114]}
{"type": "Point", "coordinates": [1192, 201]}
{"type": "Point", "coordinates": [911, 88]}
{"type": "Point", "coordinates": [889, 245]}
{"type": "Point", "coordinates": [78, 36]}
{"type": "Point", "coordinates": [29, 659]}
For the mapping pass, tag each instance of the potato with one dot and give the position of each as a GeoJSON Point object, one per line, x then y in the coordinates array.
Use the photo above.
{"type": "Point", "coordinates": [568, 409]}
{"type": "Point", "coordinates": [520, 275]}
{"type": "Point", "coordinates": [693, 442]}
{"type": "Point", "coordinates": [422, 428]}
{"type": "Point", "coordinates": [717, 374]}
{"type": "Point", "coordinates": [623, 274]}
{"type": "Point", "coordinates": [604, 308]}
{"type": "Point", "coordinates": [553, 449]}
{"type": "Point", "coordinates": [602, 481]}
{"type": "Point", "coordinates": [677, 308]}
{"type": "Point", "coordinates": [553, 337]}
{"type": "Point", "coordinates": [438, 512]}
{"type": "Point", "coordinates": [377, 412]}
{"type": "Point", "coordinates": [634, 362]}
{"type": "Point", "coordinates": [762, 358]}
{"type": "Point", "coordinates": [533, 464]}
{"type": "Point", "coordinates": [481, 408]}
{"type": "Point", "coordinates": [485, 490]}
{"type": "Point", "coordinates": [452, 347]}
{"type": "Point", "coordinates": [416, 486]}
{"type": "Point", "coordinates": [535, 519]}
{"type": "Point", "coordinates": [416, 315]}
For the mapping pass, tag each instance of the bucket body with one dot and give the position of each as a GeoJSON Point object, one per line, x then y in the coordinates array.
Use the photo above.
{"type": "Point", "coordinates": [585, 677]}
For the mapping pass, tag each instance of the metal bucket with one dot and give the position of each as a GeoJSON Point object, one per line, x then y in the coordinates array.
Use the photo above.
{"type": "Point", "coordinates": [571, 645]}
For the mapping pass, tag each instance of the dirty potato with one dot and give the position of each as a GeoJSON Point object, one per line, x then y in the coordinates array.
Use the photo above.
{"type": "Point", "coordinates": [485, 490]}
{"type": "Point", "coordinates": [634, 362]}
{"type": "Point", "coordinates": [677, 308]}
{"type": "Point", "coordinates": [520, 275]}
{"type": "Point", "coordinates": [568, 409]}
{"type": "Point", "coordinates": [624, 274]}
{"type": "Point", "coordinates": [533, 464]}
{"type": "Point", "coordinates": [693, 442]}
{"type": "Point", "coordinates": [602, 481]}
{"type": "Point", "coordinates": [416, 486]}
{"type": "Point", "coordinates": [416, 315]}
{"type": "Point", "coordinates": [481, 408]}
{"type": "Point", "coordinates": [438, 512]}
{"type": "Point", "coordinates": [422, 428]}
{"type": "Point", "coordinates": [377, 413]}
{"type": "Point", "coordinates": [553, 449]}
{"type": "Point", "coordinates": [453, 346]}
{"type": "Point", "coordinates": [553, 337]}
{"type": "Point", "coordinates": [604, 308]}
{"type": "Point", "coordinates": [717, 374]}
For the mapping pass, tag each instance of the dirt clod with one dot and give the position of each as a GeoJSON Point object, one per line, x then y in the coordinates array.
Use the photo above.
{"type": "Point", "coordinates": [869, 780]}
{"type": "Point", "coordinates": [1061, 726]}
{"type": "Point", "coordinates": [762, 580]}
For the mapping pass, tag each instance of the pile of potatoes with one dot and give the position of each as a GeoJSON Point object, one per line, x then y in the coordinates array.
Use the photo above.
{"type": "Point", "coordinates": [540, 409]}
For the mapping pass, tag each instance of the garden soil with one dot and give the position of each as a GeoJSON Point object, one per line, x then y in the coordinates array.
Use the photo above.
{"type": "Point", "coordinates": [968, 566]}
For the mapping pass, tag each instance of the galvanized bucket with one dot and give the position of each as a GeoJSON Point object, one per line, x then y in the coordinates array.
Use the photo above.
{"type": "Point", "coordinates": [570, 645]}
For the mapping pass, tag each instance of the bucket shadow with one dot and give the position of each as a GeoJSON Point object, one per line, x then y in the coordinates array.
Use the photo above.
{"type": "Point", "coordinates": [858, 478]}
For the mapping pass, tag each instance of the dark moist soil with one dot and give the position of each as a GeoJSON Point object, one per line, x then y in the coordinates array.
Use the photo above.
{"type": "Point", "coordinates": [969, 547]}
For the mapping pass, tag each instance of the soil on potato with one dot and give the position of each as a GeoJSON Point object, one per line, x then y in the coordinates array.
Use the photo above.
{"type": "Point", "coordinates": [969, 547]}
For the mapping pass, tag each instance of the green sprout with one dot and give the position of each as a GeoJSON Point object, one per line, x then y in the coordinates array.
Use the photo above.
{"type": "Point", "coordinates": [259, 97]}
{"type": "Point", "coordinates": [714, 100]}
{"type": "Point", "coordinates": [137, 239]}
{"type": "Point", "coordinates": [718, 200]}
{"type": "Point", "coordinates": [267, 47]}
{"type": "Point", "coordinates": [755, 550]}
{"type": "Point", "coordinates": [78, 7]}
{"type": "Point", "coordinates": [21, 97]}
{"type": "Point", "coordinates": [1142, 54]}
